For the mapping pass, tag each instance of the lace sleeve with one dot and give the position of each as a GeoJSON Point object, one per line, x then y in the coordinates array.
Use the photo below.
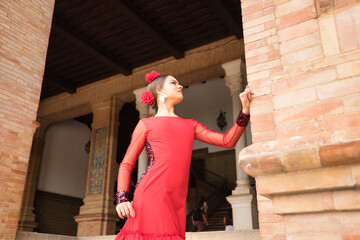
{"type": "Point", "coordinates": [227, 140]}
{"type": "Point", "coordinates": [128, 163]}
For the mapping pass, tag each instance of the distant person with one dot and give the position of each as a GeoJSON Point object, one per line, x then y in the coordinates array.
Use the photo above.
{"type": "Point", "coordinates": [198, 218]}
{"type": "Point", "coordinates": [204, 208]}
{"type": "Point", "coordinates": [228, 221]}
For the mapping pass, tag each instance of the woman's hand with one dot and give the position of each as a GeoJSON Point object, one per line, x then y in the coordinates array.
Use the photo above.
{"type": "Point", "coordinates": [125, 209]}
{"type": "Point", "coordinates": [245, 98]}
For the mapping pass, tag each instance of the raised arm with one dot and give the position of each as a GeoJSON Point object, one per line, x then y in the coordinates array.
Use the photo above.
{"type": "Point", "coordinates": [226, 140]}
{"type": "Point", "coordinates": [128, 163]}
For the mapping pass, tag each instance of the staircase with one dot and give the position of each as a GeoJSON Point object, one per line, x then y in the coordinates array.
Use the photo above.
{"type": "Point", "coordinates": [216, 201]}
{"type": "Point", "coordinates": [216, 219]}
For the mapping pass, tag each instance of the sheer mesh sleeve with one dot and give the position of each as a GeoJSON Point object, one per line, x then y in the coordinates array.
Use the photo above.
{"type": "Point", "coordinates": [227, 140]}
{"type": "Point", "coordinates": [128, 163]}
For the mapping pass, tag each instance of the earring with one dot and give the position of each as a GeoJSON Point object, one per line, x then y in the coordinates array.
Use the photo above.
{"type": "Point", "coordinates": [162, 97]}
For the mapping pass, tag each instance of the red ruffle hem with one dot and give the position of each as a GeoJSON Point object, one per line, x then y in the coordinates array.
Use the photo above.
{"type": "Point", "coordinates": [137, 235]}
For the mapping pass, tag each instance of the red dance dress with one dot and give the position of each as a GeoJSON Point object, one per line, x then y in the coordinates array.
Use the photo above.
{"type": "Point", "coordinates": [160, 195]}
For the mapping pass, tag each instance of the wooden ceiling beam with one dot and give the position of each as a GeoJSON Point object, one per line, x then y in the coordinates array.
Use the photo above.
{"type": "Point", "coordinates": [82, 42]}
{"type": "Point", "coordinates": [146, 26]}
{"type": "Point", "coordinates": [227, 18]}
{"type": "Point", "coordinates": [66, 87]}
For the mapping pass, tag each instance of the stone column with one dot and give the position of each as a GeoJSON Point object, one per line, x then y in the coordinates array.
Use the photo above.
{"type": "Point", "coordinates": [144, 113]}
{"type": "Point", "coordinates": [98, 215]}
{"type": "Point", "coordinates": [241, 197]}
{"type": "Point", "coordinates": [27, 217]}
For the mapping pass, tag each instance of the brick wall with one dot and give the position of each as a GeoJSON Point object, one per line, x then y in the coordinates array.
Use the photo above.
{"type": "Point", "coordinates": [24, 27]}
{"type": "Point", "coordinates": [302, 59]}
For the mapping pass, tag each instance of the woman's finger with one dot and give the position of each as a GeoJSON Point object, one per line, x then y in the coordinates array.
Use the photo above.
{"type": "Point", "coordinates": [118, 210]}
{"type": "Point", "coordinates": [249, 96]}
{"type": "Point", "coordinates": [126, 211]}
{"type": "Point", "coordinates": [132, 212]}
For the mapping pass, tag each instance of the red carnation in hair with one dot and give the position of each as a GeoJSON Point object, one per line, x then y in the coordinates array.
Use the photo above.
{"type": "Point", "coordinates": [151, 76]}
{"type": "Point", "coordinates": [147, 97]}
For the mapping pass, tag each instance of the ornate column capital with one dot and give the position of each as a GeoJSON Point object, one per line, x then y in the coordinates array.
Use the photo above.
{"type": "Point", "coordinates": [142, 108]}
{"type": "Point", "coordinates": [235, 76]}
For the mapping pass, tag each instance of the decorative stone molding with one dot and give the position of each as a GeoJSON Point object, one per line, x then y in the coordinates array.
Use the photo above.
{"type": "Point", "coordinates": [297, 159]}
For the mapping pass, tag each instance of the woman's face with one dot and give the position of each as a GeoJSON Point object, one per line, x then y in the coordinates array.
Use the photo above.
{"type": "Point", "coordinates": [172, 89]}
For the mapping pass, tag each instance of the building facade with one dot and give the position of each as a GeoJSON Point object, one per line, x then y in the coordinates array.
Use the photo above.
{"type": "Point", "coordinates": [301, 58]}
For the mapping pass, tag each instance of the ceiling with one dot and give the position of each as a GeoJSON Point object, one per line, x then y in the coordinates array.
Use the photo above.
{"type": "Point", "coordinates": [91, 40]}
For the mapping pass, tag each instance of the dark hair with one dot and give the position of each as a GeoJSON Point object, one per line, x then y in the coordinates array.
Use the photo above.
{"type": "Point", "coordinates": [154, 87]}
{"type": "Point", "coordinates": [202, 200]}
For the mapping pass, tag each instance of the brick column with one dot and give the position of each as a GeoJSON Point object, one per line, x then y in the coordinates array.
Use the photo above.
{"type": "Point", "coordinates": [25, 28]}
{"type": "Point", "coordinates": [241, 197]}
{"type": "Point", "coordinates": [98, 216]}
{"type": "Point", "coordinates": [144, 113]}
{"type": "Point", "coordinates": [302, 61]}
{"type": "Point", "coordinates": [27, 217]}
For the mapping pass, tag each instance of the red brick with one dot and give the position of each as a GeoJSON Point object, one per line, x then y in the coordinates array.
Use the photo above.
{"type": "Point", "coordinates": [258, 21]}
{"type": "Point", "coordinates": [266, 237]}
{"type": "Point", "coordinates": [263, 58]}
{"type": "Point", "coordinates": [280, 237]}
{"type": "Point", "coordinates": [328, 201]}
{"type": "Point", "coordinates": [297, 129]}
{"type": "Point", "coordinates": [340, 3]}
{"type": "Point", "coordinates": [296, 18]}
{"type": "Point", "coordinates": [261, 50]}
{"type": "Point", "coordinates": [270, 24]}
{"type": "Point", "coordinates": [251, 8]}
{"type": "Point", "coordinates": [339, 88]}
{"type": "Point", "coordinates": [300, 43]}
{"type": "Point", "coordinates": [265, 206]}
{"type": "Point", "coordinates": [295, 97]}
{"type": "Point", "coordinates": [262, 126]}
{"type": "Point", "coordinates": [347, 200]}
{"type": "Point", "coordinates": [356, 173]}
{"type": "Point", "coordinates": [264, 136]}
{"type": "Point", "coordinates": [263, 66]}
{"type": "Point", "coordinates": [310, 180]}
{"type": "Point", "coordinates": [292, 6]}
{"type": "Point", "coordinates": [340, 154]}
{"type": "Point", "coordinates": [267, 117]}
{"type": "Point", "coordinates": [252, 16]}
{"type": "Point", "coordinates": [298, 30]}
{"type": "Point", "coordinates": [255, 45]}
{"type": "Point", "coordinates": [303, 55]}
{"type": "Point", "coordinates": [346, 30]}
{"type": "Point", "coordinates": [309, 111]}
{"type": "Point", "coordinates": [324, 224]}
{"type": "Point", "coordinates": [304, 80]}
{"type": "Point", "coordinates": [268, 217]}
{"type": "Point", "coordinates": [266, 228]}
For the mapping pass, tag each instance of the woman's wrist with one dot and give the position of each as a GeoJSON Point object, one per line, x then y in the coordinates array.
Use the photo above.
{"type": "Point", "coordinates": [246, 111]}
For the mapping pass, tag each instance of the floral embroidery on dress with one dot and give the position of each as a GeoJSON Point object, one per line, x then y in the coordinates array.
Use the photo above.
{"type": "Point", "coordinates": [150, 156]}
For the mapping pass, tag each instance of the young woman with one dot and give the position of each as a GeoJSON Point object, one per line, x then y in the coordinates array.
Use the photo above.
{"type": "Point", "coordinates": [158, 210]}
{"type": "Point", "coordinates": [204, 208]}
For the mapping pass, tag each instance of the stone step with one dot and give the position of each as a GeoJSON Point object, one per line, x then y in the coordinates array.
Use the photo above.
{"type": "Point", "coordinates": [208, 235]}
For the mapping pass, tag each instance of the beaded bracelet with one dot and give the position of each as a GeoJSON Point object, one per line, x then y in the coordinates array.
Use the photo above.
{"type": "Point", "coordinates": [242, 119]}
{"type": "Point", "coordinates": [122, 196]}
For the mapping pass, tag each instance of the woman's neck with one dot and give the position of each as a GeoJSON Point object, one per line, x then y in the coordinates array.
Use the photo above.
{"type": "Point", "coordinates": [165, 110]}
